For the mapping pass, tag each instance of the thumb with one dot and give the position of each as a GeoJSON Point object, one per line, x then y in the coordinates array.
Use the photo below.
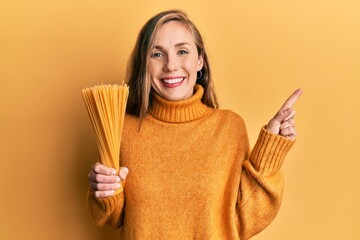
{"type": "Point", "coordinates": [123, 173]}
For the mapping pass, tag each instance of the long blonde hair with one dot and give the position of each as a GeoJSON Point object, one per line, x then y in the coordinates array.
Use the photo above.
{"type": "Point", "coordinates": [140, 97]}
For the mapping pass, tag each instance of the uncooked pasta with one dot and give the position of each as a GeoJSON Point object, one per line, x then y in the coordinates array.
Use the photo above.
{"type": "Point", "coordinates": [106, 105]}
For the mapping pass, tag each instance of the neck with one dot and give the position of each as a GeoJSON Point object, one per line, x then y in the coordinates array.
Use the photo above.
{"type": "Point", "coordinates": [179, 111]}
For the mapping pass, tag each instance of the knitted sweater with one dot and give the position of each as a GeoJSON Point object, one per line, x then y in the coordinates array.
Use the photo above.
{"type": "Point", "coordinates": [192, 176]}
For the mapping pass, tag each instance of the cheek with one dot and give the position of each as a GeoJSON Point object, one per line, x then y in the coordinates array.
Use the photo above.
{"type": "Point", "coordinates": [153, 69]}
{"type": "Point", "coordinates": [191, 65]}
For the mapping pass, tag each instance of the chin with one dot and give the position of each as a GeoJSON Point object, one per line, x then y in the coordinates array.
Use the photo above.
{"type": "Point", "coordinates": [173, 94]}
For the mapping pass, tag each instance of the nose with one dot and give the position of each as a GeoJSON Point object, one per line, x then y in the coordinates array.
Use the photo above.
{"type": "Point", "coordinates": [171, 64]}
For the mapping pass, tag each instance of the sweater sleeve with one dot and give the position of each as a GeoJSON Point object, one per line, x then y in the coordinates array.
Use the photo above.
{"type": "Point", "coordinates": [106, 211]}
{"type": "Point", "coordinates": [261, 183]}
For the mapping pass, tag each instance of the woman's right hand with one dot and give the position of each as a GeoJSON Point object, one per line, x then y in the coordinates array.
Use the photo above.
{"type": "Point", "coordinates": [104, 180]}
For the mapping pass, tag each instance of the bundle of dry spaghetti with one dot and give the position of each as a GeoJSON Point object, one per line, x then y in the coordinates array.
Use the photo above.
{"type": "Point", "coordinates": [106, 106]}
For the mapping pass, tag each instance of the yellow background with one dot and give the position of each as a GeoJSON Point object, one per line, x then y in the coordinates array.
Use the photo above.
{"type": "Point", "coordinates": [260, 52]}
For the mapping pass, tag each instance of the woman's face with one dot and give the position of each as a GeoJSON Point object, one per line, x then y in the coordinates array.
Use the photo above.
{"type": "Point", "coordinates": [174, 62]}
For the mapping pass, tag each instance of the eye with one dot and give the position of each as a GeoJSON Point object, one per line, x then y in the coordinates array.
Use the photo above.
{"type": "Point", "coordinates": [183, 52]}
{"type": "Point", "coordinates": [156, 55]}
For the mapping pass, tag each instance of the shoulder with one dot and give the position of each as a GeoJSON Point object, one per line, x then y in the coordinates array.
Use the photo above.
{"type": "Point", "coordinates": [227, 119]}
{"type": "Point", "coordinates": [131, 118]}
{"type": "Point", "coordinates": [131, 122]}
{"type": "Point", "coordinates": [229, 116]}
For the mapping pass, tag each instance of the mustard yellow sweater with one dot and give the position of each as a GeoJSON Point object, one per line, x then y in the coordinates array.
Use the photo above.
{"type": "Point", "coordinates": [192, 176]}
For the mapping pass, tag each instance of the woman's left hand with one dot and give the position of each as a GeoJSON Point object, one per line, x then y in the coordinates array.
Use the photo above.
{"type": "Point", "coordinates": [283, 121]}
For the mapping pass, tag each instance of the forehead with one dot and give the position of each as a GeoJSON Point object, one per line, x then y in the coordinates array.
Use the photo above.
{"type": "Point", "coordinates": [173, 32]}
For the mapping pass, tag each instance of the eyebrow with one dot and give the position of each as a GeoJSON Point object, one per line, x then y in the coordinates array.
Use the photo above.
{"type": "Point", "coordinates": [180, 44]}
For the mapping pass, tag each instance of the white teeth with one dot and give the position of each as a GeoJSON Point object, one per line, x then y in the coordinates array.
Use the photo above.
{"type": "Point", "coordinates": [172, 81]}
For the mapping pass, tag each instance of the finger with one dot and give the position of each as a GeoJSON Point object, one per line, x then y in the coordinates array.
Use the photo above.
{"type": "Point", "coordinates": [291, 114]}
{"type": "Point", "coordinates": [282, 115]}
{"type": "Point", "coordinates": [288, 123]}
{"type": "Point", "coordinates": [95, 186]}
{"type": "Point", "coordinates": [106, 186]}
{"type": "Point", "coordinates": [104, 194]}
{"type": "Point", "coordinates": [102, 169]}
{"type": "Point", "coordinates": [292, 99]}
{"type": "Point", "coordinates": [100, 178]}
{"type": "Point", "coordinates": [288, 132]}
{"type": "Point", "coordinates": [123, 173]}
{"type": "Point", "coordinates": [292, 137]}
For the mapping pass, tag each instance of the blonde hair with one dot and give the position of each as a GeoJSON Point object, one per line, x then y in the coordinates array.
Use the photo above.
{"type": "Point", "coordinates": [140, 97]}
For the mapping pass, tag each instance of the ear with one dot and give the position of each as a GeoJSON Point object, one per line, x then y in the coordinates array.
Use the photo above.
{"type": "Point", "coordinates": [200, 61]}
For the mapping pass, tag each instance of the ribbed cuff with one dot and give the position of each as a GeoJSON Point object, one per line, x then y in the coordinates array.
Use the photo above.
{"type": "Point", "coordinates": [269, 152]}
{"type": "Point", "coordinates": [101, 208]}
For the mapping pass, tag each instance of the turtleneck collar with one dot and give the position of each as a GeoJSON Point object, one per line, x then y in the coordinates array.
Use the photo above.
{"type": "Point", "coordinates": [179, 111]}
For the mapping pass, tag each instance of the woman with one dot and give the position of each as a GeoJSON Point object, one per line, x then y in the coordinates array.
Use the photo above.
{"type": "Point", "coordinates": [188, 167]}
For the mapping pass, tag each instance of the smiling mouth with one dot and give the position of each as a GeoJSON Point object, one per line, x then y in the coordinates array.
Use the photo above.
{"type": "Point", "coordinates": [173, 80]}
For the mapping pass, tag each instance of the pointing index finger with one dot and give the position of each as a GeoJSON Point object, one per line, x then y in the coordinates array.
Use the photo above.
{"type": "Point", "coordinates": [292, 99]}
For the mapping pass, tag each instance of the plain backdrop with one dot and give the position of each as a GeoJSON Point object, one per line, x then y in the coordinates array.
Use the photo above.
{"type": "Point", "coordinates": [260, 52]}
